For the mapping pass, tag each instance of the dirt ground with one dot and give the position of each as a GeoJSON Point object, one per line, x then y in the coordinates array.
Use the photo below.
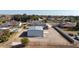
{"type": "Point", "coordinates": [51, 39]}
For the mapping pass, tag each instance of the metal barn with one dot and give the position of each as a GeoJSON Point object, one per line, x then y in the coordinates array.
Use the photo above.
{"type": "Point", "coordinates": [35, 31]}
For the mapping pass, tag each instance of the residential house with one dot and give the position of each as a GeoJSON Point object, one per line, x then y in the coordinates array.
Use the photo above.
{"type": "Point", "coordinates": [67, 25]}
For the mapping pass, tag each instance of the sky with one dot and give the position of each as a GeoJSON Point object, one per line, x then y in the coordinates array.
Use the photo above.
{"type": "Point", "coordinates": [42, 12]}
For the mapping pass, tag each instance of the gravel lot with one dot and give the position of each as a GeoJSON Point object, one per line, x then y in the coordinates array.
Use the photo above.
{"type": "Point", "coordinates": [51, 38]}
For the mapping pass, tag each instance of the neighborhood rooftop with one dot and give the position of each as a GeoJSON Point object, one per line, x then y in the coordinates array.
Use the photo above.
{"type": "Point", "coordinates": [35, 28]}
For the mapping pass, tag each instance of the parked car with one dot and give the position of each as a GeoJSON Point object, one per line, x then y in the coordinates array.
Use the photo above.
{"type": "Point", "coordinates": [45, 27]}
{"type": "Point", "coordinates": [77, 38]}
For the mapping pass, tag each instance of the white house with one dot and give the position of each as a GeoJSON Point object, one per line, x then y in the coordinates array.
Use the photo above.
{"type": "Point", "coordinates": [20, 24]}
{"type": "Point", "coordinates": [35, 31]}
{"type": "Point", "coordinates": [4, 28]}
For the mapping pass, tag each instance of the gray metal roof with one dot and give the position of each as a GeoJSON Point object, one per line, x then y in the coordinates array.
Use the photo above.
{"type": "Point", "coordinates": [35, 28]}
{"type": "Point", "coordinates": [37, 23]}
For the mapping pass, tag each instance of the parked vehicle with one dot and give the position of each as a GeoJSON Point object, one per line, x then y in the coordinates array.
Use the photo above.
{"type": "Point", "coordinates": [45, 27]}
{"type": "Point", "coordinates": [77, 38]}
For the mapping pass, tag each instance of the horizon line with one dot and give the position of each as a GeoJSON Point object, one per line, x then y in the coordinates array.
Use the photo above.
{"type": "Point", "coordinates": [41, 12]}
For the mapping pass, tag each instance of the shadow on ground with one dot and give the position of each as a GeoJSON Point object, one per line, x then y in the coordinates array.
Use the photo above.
{"type": "Point", "coordinates": [24, 34]}
{"type": "Point", "coordinates": [18, 46]}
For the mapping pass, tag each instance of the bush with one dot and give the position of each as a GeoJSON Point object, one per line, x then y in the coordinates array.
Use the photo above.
{"type": "Point", "coordinates": [71, 34]}
{"type": "Point", "coordinates": [78, 33]}
{"type": "Point", "coordinates": [24, 27]}
{"type": "Point", "coordinates": [4, 36]}
{"type": "Point", "coordinates": [3, 21]}
{"type": "Point", "coordinates": [3, 39]}
{"type": "Point", "coordinates": [25, 40]}
{"type": "Point", "coordinates": [11, 33]}
{"type": "Point", "coordinates": [45, 21]}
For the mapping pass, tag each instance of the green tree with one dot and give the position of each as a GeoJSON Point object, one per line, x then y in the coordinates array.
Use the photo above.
{"type": "Point", "coordinates": [6, 32]}
{"type": "Point", "coordinates": [25, 40]}
{"type": "Point", "coordinates": [24, 18]}
{"type": "Point", "coordinates": [5, 36]}
{"type": "Point", "coordinates": [34, 17]}
{"type": "Point", "coordinates": [16, 17]}
{"type": "Point", "coordinates": [45, 21]}
{"type": "Point", "coordinates": [76, 19]}
{"type": "Point", "coordinates": [77, 26]}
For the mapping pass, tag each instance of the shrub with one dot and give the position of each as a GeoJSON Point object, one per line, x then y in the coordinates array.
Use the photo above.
{"type": "Point", "coordinates": [3, 39]}
{"type": "Point", "coordinates": [71, 34]}
{"type": "Point", "coordinates": [5, 36]}
{"type": "Point", "coordinates": [45, 21]}
{"type": "Point", "coordinates": [3, 21]}
{"type": "Point", "coordinates": [25, 40]}
{"type": "Point", "coordinates": [24, 27]}
{"type": "Point", "coordinates": [78, 33]}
